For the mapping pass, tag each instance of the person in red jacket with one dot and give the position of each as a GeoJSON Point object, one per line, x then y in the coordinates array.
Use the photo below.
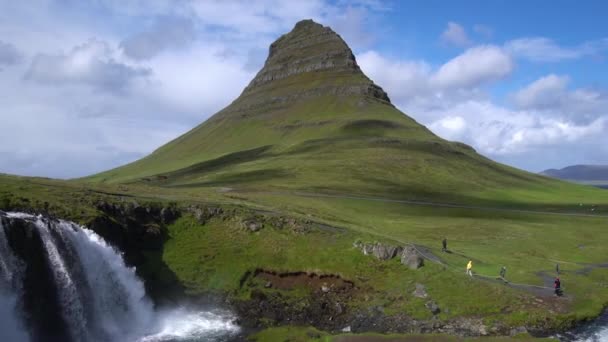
{"type": "Point", "coordinates": [558, 287]}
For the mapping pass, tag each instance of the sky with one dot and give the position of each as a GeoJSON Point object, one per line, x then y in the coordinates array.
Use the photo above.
{"type": "Point", "coordinates": [88, 85]}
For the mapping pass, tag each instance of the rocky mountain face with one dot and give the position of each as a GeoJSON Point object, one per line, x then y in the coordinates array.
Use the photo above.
{"type": "Point", "coordinates": [311, 47]}
{"type": "Point", "coordinates": [310, 51]}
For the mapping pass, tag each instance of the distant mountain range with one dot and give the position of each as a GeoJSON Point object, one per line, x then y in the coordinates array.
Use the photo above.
{"type": "Point", "coordinates": [590, 174]}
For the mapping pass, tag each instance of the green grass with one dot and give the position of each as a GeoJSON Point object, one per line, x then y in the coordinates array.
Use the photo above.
{"type": "Point", "coordinates": [214, 257]}
{"type": "Point", "coordinates": [307, 334]}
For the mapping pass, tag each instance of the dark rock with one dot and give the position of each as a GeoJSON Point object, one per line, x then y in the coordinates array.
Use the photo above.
{"type": "Point", "coordinates": [433, 307]}
{"type": "Point", "coordinates": [411, 258]}
{"type": "Point", "coordinates": [168, 215]}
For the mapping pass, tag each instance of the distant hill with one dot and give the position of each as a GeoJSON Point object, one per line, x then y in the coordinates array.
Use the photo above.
{"type": "Point", "coordinates": [580, 173]}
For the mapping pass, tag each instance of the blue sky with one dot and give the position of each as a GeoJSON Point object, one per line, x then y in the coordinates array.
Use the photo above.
{"type": "Point", "coordinates": [89, 85]}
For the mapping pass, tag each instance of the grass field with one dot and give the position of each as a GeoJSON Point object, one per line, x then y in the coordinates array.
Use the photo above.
{"type": "Point", "coordinates": [303, 334]}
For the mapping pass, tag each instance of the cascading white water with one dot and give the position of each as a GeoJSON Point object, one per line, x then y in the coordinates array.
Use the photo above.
{"type": "Point", "coordinates": [596, 331]}
{"type": "Point", "coordinates": [102, 299]}
{"type": "Point", "coordinates": [11, 327]}
{"type": "Point", "coordinates": [69, 298]}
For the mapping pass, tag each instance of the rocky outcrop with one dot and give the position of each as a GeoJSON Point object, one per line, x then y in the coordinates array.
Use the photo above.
{"type": "Point", "coordinates": [385, 252]}
{"type": "Point", "coordinates": [411, 258]}
{"type": "Point", "coordinates": [139, 230]}
{"type": "Point", "coordinates": [204, 214]}
{"type": "Point", "coordinates": [252, 225]}
{"type": "Point", "coordinates": [379, 250]}
{"type": "Point", "coordinates": [409, 255]}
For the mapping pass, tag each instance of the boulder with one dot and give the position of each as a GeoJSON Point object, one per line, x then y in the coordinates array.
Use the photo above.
{"type": "Point", "coordinates": [385, 252]}
{"type": "Point", "coordinates": [411, 258]}
{"type": "Point", "coordinates": [420, 291]}
{"type": "Point", "coordinates": [253, 225]}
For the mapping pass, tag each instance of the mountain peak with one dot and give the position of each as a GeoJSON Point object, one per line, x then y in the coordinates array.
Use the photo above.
{"type": "Point", "coordinates": [311, 48]}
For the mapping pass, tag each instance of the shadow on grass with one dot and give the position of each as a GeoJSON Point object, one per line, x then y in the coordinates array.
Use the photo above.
{"type": "Point", "coordinates": [239, 178]}
{"type": "Point", "coordinates": [224, 161]}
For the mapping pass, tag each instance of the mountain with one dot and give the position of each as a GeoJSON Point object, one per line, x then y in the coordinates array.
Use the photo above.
{"type": "Point", "coordinates": [312, 120]}
{"type": "Point", "coordinates": [596, 175]}
{"type": "Point", "coordinates": [580, 173]}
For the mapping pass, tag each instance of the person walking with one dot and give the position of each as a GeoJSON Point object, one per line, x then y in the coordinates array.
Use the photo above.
{"type": "Point", "coordinates": [558, 287]}
{"type": "Point", "coordinates": [503, 272]}
{"type": "Point", "coordinates": [445, 245]}
{"type": "Point", "coordinates": [470, 268]}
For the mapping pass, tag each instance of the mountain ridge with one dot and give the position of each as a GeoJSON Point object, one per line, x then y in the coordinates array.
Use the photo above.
{"type": "Point", "coordinates": [579, 172]}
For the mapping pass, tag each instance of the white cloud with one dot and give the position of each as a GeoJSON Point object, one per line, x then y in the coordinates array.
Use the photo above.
{"type": "Point", "coordinates": [91, 63]}
{"type": "Point", "coordinates": [477, 65]}
{"type": "Point", "coordinates": [550, 96]}
{"type": "Point", "coordinates": [450, 127]}
{"type": "Point", "coordinates": [406, 80]}
{"type": "Point", "coordinates": [497, 131]}
{"type": "Point", "coordinates": [542, 93]}
{"type": "Point", "coordinates": [199, 80]}
{"type": "Point", "coordinates": [403, 79]}
{"type": "Point", "coordinates": [547, 117]}
{"type": "Point", "coordinates": [456, 35]}
{"type": "Point", "coordinates": [541, 49]}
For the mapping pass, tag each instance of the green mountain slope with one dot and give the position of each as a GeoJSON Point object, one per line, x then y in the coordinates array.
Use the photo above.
{"type": "Point", "coordinates": [311, 120]}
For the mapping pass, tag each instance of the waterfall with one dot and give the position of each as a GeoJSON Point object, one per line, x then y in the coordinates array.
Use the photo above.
{"type": "Point", "coordinates": [11, 327]}
{"type": "Point", "coordinates": [98, 298]}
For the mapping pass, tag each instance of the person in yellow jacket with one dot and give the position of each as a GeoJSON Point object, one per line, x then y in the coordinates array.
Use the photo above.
{"type": "Point", "coordinates": [470, 268]}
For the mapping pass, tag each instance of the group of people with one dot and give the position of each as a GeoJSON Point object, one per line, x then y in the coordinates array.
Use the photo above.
{"type": "Point", "coordinates": [557, 284]}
